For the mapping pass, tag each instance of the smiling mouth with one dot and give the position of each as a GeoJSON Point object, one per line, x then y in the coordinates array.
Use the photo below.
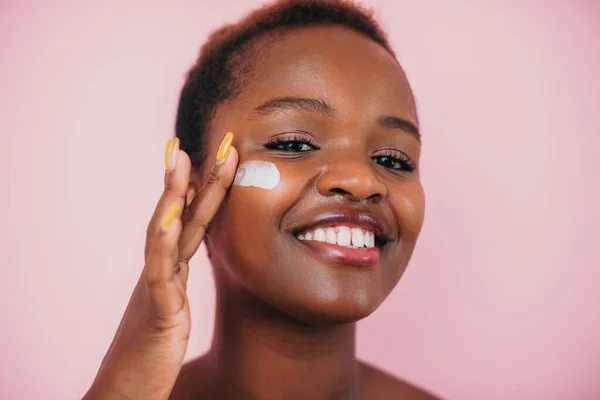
{"type": "Point", "coordinates": [343, 245]}
{"type": "Point", "coordinates": [343, 236]}
{"type": "Point", "coordinates": [348, 237]}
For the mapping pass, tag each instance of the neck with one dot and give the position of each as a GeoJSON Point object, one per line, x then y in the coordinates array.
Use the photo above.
{"type": "Point", "coordinates": [260, 353]}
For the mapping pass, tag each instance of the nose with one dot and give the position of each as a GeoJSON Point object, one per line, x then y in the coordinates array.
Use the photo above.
{"type": "Point", "coordinates": [352, 179]}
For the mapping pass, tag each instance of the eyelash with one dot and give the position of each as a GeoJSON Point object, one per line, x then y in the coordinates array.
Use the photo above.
{"type": "Point", "coordinates": [279, 143]}
{"type": "Point", "coordinates": [400, 161]}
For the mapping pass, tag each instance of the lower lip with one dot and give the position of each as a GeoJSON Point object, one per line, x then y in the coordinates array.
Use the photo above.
{"type": "Point", "coordinates": [362, 257]}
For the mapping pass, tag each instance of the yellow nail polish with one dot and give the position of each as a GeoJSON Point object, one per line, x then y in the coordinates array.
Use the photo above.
{"type": "Point", "coordinates": [170, 214]}
{"type": "Point", "coordinates": [174, 153]}
{"type": "Point", "coordinates": [168, 153]}
{"type": "Point", "coordinates": [225, 147]}
{"type": "Point", "coordinates": [171, 153]}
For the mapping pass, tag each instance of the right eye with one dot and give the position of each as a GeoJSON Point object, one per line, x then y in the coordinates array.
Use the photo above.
{"type": "Point", "coordinates": [291, 144]}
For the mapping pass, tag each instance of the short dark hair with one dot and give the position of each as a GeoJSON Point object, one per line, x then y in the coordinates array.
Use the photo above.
{"type": "Point", "coordinates": [225, 60]}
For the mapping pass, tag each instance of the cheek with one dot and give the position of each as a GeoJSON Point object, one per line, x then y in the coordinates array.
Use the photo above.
{"type": "Point", "coordinates": [409, 206]}
{"type": "Point", "coordinates": [249, 219]}
{"type": "Point", "coordinates": [245, 236]}
{"type": "Point", "coordinates": [262, 190]}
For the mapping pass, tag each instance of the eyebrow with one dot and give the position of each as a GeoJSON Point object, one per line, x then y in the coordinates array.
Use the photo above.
{"type": "Point", "coordinates": [322, 106]}
{"type": "Point", "coordinates": [295, 104]}
{"type": "Point", "coordinates": [391, 122]}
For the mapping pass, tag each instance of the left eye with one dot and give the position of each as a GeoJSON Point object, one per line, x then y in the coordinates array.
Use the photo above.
{"type": "Point", "coordinates": [391, 162]}
{"type": "Point", "coordinates": [292, 146]}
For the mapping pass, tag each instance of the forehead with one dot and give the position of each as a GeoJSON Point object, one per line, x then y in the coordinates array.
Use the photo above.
{"type": "Point", "coordinates": [346, 68]}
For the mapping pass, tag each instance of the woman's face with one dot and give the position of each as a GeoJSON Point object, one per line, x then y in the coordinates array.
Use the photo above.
{"type": "Point", "coordinates": [333, 111]}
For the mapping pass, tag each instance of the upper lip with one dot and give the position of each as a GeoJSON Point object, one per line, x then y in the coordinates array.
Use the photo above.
{"type": "Point", "coordinates": [350, 218]}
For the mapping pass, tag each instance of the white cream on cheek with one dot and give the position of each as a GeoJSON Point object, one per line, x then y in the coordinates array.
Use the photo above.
{"type": "Point", "coordinates": [261, 174]}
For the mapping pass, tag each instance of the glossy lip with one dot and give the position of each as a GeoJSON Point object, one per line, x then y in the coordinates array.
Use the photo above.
{"type": "Point", "coordinates": [363, 257]}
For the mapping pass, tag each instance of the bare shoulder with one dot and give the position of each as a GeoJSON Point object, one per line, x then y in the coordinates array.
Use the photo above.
{"type": "Point", "coordinates": [380, 385]}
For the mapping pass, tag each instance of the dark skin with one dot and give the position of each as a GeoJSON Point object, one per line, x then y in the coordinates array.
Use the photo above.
{"type": "Point", "coordinates": [292, 311]}
{"type": "Point", "coordinates": [285, 317]}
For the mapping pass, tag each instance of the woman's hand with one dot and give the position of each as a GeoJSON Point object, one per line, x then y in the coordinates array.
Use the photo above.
{"type": "Point", "coordinates": [147, 351]}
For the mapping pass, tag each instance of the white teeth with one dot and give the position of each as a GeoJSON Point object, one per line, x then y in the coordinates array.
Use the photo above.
{"type": "Point", "coordinates": [369, 239]}
{"type": "Point", "coordinates": [358, 237]}
{"type": "Point", "coordinates": [342, 236]}
{"type": "Point", "coordinates": [319, 235]}
{"type": "Point", "coordinates": [330, 236]}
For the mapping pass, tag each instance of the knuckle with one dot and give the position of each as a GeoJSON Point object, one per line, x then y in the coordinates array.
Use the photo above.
{"type": "Point", "coordinates": [213, 178]}
{"type": "Point", "coordinates": [161, 325]}
{"type": "Point", "coordinates": [169, 185]}
{"type": "Point", "coordinates": [183, 262]}
{"type": "Point", "coordinates": [201, 225]}
{"type": "Point", "coordinates": [177, 267]}
{"type": "Point", "coordinates": [155, 241]}
{"type": "Point", "coordinates": [187, 215]}
{"type": "Point", "coordinates": [153, 281]}
{"type": "Point", "coordinates": [151, 231]}
{"type": "Point", "coordinates": [189, 219]}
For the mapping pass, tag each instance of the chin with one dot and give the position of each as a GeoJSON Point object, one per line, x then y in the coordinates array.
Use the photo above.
{"type": "Point", "coordinates": [319, 311]}
{"type": "Point", "coordinates": [300, 287]}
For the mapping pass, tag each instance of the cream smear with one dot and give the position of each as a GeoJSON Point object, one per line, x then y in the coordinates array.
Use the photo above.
{"type": "Point", "coordinates": [261, 174]}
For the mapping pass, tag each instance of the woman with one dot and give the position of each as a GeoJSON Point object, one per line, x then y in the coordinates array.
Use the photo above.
{"type": "Point", "coordinates": [310, 214]}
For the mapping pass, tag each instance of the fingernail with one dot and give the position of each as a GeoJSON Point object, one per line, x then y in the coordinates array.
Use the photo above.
{"type": "Point", "coordinates": [171, 152]}
{"type": "Point", "coordinates": [170, 214]}
{"type": "Point", "coordinates": [225, 147]}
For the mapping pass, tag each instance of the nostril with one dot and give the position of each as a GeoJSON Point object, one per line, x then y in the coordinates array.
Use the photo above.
{"type": "Point", "coordinates": [338, 191]}
{"type": "Point", "coordinates": [357, 186]}
{"type": "Point", "coordinates": [354, 195]}
{"type": "Point", "coordinates": [375, 197]}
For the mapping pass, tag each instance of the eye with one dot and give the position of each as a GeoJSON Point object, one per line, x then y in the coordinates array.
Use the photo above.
{"type": "Point", "coordinates": [291, 146]}
{"type": "Point", "coordinates": [292, 143]}
{"type": "Point", "coordinates": [394, 159]}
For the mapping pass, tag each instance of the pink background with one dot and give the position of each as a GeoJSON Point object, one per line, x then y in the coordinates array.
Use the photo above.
{"type": "Point", "coordinates": [501, 298]}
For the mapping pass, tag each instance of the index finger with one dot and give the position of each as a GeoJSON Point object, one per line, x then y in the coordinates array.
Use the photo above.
{"type": "Point", "coordinates": [206, 204]}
